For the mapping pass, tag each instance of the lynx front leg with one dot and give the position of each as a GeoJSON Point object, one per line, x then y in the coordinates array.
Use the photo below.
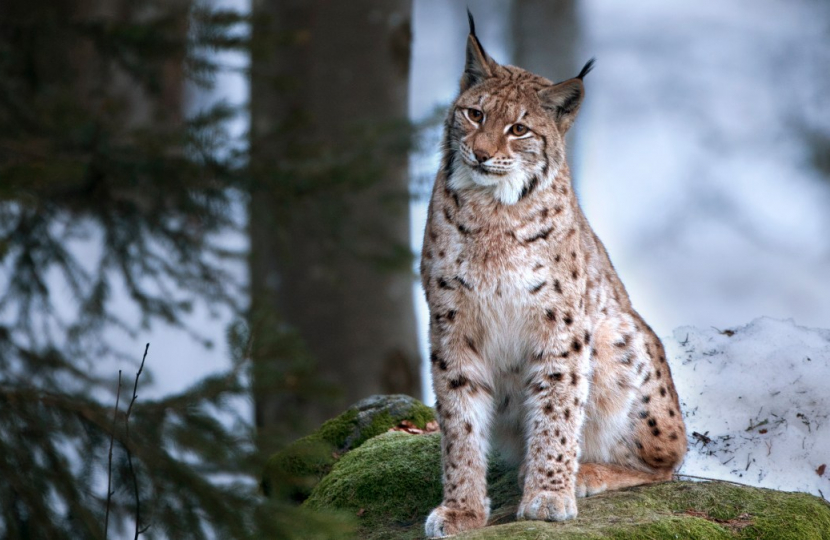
{"type": "Point", "coordinates": [464, 406]}
{"type": "Point", "coordinates": [557, 389]}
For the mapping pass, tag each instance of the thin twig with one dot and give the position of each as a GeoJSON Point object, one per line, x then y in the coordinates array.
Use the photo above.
{"type": "Point", "coordinates": [126, 447]}
{"type": "Point", "coordinates": [682, 475]}
{"type": "Point", "coordinates": [109, 465]}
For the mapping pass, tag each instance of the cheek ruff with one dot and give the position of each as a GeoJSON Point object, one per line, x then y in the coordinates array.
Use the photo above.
{"type": "Point", "coordinates": [505, 179]}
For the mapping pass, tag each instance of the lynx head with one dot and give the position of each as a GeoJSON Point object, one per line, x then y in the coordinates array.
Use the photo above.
{"type": "Point", "coordinates": [505, 131]}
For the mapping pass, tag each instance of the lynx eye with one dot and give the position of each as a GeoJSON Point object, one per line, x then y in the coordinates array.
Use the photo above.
{"type": "Point", "coordinates": [475, 115]}
{"type": "Point", "coordinates": [518, 130]}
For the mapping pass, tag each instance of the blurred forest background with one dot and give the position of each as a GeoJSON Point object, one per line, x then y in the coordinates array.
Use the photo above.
{"type": "Point", "coordinates": [243, 186]}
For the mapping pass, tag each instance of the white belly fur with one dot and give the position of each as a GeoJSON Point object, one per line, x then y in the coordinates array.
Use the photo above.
{"type": "Point", "coordinates": [506, 347]}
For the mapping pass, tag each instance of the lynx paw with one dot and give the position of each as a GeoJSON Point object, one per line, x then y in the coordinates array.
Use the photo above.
{"type": "Point", "coordinates": [548, 506]}
{"type": "Point", "coordinates": [444, 521]}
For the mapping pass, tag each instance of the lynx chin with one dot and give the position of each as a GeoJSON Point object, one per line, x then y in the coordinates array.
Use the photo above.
{"type": "Point", "coordinates": [536, 349]}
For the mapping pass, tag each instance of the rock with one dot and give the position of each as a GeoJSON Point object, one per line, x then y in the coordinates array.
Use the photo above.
{"type": "Point", "coordinates": [391, 482]}
{"type": "Point", "coordinates": [295, 470]}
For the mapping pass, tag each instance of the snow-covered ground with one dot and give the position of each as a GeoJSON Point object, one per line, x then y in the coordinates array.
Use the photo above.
{"type": "Point", "coordinates": [757, 403]}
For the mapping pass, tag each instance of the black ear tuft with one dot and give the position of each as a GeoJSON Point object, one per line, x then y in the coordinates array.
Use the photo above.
{"type": "Point", "coordinates": [472, 23]}
{"type": "Point", "coordinates": [478, 66]}
{"type": "Point", "coordinates": [586, 70]}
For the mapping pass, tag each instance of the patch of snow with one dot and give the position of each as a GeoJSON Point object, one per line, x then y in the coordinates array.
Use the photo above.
{"type": "Point", "coordinates": [756, 401]}
{"type": "Point", "coordinates": [696, 168]}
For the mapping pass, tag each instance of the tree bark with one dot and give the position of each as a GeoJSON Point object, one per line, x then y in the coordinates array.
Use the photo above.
{"type": "Point", "coordinates": [546, 37]}
{"type": "Point", "coordinates": [324, 74]}
{"type": "Point", "coordinates": [546, 40]}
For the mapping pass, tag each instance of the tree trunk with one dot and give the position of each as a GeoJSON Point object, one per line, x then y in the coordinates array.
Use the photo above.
{"type": "Point", "coordinates": [546, 41]}
{"type": "Point", "coordinates": [325, 76]}
{"type": "Point", "coordinates": [546, 37]}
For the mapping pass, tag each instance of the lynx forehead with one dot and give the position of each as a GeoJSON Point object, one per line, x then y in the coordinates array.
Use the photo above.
{"type": "Point", "coordinates": [535, 347]}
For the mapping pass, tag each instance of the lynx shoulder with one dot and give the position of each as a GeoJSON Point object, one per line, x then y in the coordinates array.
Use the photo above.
{"type": "Point", "coordinates": [535, 347]}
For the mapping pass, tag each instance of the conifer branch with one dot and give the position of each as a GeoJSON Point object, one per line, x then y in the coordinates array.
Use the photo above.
{"type": "Point", "coordinates": [109, 465]}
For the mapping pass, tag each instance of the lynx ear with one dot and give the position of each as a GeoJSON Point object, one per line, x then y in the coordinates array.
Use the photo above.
{"type": "Point", "coordinates": [562, 100]}
{"type": "Point", "coordinates": [479, 65]}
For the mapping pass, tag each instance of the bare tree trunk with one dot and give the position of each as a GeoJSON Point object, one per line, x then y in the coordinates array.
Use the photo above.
{"type": "Point", "coordinates": [321, 71]}
{"type": "Point", "coordinates": [546, 37]}
{"type": "Point", "coordinates": [546, 41]}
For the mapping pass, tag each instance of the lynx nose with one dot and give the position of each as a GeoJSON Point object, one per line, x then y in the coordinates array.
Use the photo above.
{"type": "Point", "coordinates": [481, 155]}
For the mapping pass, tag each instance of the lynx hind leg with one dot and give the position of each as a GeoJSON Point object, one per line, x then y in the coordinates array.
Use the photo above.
{"type": "Point", "coordinates": [659, 437]}
{"type": "Point", "coordinates": [637, 434]}
{"type": "Point", "coordinates": [593, 478]}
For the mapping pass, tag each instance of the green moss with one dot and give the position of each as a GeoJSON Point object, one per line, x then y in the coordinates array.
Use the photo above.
{"type": "Point", "coordinates": [295, 470]}
{"type": "Point", "coordinates": [336, 430]}
{"type": "Point", "coordinates": [758, 513]}
{"type": "Point", "coordinates": [669, 528]}
{"type": "Point", "coordinates": [378, 426]}
{"type": "Point", "coordinates": [298, 523]}
{"type": "Point", "coordinates": [394, 480]}
{"type": "Point", "coordinates": [421, 415]}
{"type": "Point", "coordinates": [688, 528]}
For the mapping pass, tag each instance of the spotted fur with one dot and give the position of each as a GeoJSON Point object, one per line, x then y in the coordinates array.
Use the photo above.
{"type": "Point", "coordinates": [535, 344]}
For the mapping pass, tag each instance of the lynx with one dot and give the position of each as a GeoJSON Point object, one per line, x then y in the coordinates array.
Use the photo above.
{"type": "Point", "coordinates": [534, 343]}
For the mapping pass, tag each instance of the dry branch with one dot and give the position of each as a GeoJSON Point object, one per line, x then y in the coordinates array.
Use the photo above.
{"type": "Point", "coordinates": [109, 464]}
{"type": "Point", "coordinates": [127, 449]}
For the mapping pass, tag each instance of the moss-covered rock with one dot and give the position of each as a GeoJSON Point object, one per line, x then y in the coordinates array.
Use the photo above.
{"type": "Point", "coordinates": [296, 469]}
{"type": "Point", "coordinates": [392, 482]}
